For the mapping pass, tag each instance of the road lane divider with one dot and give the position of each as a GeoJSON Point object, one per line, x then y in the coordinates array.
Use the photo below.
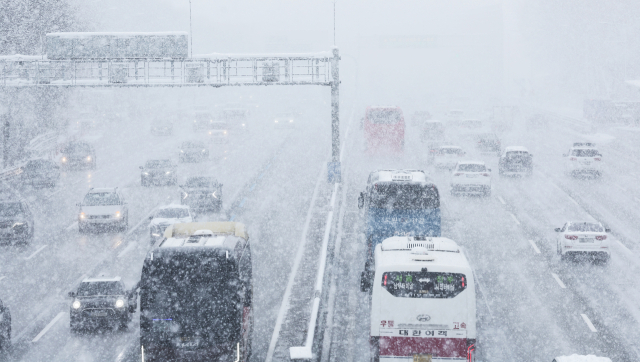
{"type": "Point", "coordinates": [560, 283]}
{"type": "Point", "coordinates": [47, 327]}
{"type": "Point", "coordinates": [502, 200]}
{"type": "Point", "coordinates": [72, 226]}
{"type": "Point", "coordinates": [588, 322]}
{"type": "Point", "coordinates": [36, 252]}
{"type": "Point", "coordinates": [515, 219]}
{"type": "Point", "coordinates": [535, 247]}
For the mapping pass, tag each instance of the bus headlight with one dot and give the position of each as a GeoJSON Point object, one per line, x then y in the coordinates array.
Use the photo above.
{"type": "Point", "coordinates": [117, 214]}
{"type": "Point", "coordinates": [168, 172]}
{"type": "Point", "coordinates": [119, 303]}
{"type": "Point", "coordinates": [82, 215]}
{"type": "Point", "coordinates": [76, 304]}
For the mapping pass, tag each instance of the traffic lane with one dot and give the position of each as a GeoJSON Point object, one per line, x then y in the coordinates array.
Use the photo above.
{"type": "Point", "coordinates": [275, 216]}
{"type": "Point", "coordinates": [516, 284]}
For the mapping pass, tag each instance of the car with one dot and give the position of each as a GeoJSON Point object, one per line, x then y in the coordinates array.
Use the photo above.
{"type": "Point", "coordinates": [203, 120]}
{"type": "Point", "coordinates": [161, 127]}
{"type": "Point", "coordinates": [286, 120]}
{"type": "Point", "coordinates": [40, 173]}
{"type": "Point", "coordinates": [515, 161]}
{"type": "Point", "coordinates": [5, 327]}
{"type": "Point", "coordinates": [419, 117]}
{"type": "Point", "coordinates": [101, 302]}
{"type": "Point", "coordinates": [471, 177]}
{"type": "Point", "coordinates": [488, 142]}
{"type": "Point", "coordinates": [103, 208]}
{"type": "Point", "coordinates": [583, 160]}
{"type": "Point", "coordinates": [219, 132]}
{"type": "Point", "coordinates": [77, 154]}
{"type": "Point", "coordinates": [432, 130]}
{"type": "Point", "coordinates": [158, 172]}
{"type": "Point", "coordinates": [581, 358]}
{"type": "Point", "coordinates": [446, 157]}
{"type": "Point", "coordinates": [583, 239]}
{"type": "Point", "coordinates": [471, 124]}
{"type": "Point", "coordinates": [193, 151]}
{"type": "Point", "coordinates": [16, 221]}
{"type": "Point", "coordinates": [202, 193]}
{"type": "Point", "coordinates": [236, 117]}
{"type": "Point", "coordinates": [165, 216]}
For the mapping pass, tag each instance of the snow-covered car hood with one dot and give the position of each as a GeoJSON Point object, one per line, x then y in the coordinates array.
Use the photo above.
{"type": "Point", "coordinates": [169, 221]}
{"type": "Point", "coordinates": [101, 210]}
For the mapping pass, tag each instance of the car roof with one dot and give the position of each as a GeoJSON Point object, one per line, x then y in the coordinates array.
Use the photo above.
{"type": "Point", "coordinates": [450, 146]}
{"type": "Point", "coordinates": [582, 358]}
{"type": "Point", "coordinates": [173, 206]}
{"type": "Point", "coordinates": [471, 162]}
{"type": "Point", "coordinates": [515, 148]}
{"type": "Point", "coordinates": [96, 190]}
{"type": "Point", "coordinates": [101, 279]}
{"type": "Point", "coordinates": [584, 148]}
{"type": "Point", "coordinates": [398, 251]}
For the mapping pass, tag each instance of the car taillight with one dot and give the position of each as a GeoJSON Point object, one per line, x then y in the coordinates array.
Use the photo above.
{"type": "Point", "coordinates": [601, 237]}
{"type": "Point", "coordinates": [573, 159]}
{"type": "Point", "coordinates": [485, 174]}
{"type": "Point", "coordinates": [457, 174]}
{"type": "Point", "coordinates": [596, 158]}
{"type": "Point", "coordinates": [571, 237]}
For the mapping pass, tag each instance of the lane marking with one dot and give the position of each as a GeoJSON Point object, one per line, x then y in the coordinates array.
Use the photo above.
{"type": "Point", "coordinates": [514, 218]}
{"type": "Point", "coordinates": [620, 187]}
{"type": "Point", "coordinates": [127, 249]}
{"type": "Point", "coordinates": [35, 252]}
{"type": "Point", "coordinates": [242, 202]}
{"type": "Point", "coordinates": [502, 200]}
{"type": "Point", "coordinates": [624, 246]}
{"type": "Point", "coordinates": [555, 276]}
{"type": "Point", "coordinates": [535, 247]}
{"type": "Point", "coordinates": [586, 320]}
{"type": "Point", "coordinates": [146, 218]}
{"type": "Point", "coordinates": [74, 225]}
{"type": "Point", "coordinates": [2, 277]}
{"type": "Point", "coordinates": [252, 187]}
{"type": "Point", "coordinates": [46, 329]}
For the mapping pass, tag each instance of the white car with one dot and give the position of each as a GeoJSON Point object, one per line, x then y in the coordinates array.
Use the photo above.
{"type": "Point", "coordinates": [165, 216]}
{"type": "Point", "coordinates": [447, 157]}
{"type": "Point", "coordinates": [583, 160]}
{"type": "Point", "coordinates": [103, 208]}
{"type": "Point", "coordinates": [583, 238]}
{"type": "Point", "coordinates": [471, 177]}
{"type": "Point", "coordinates": [581, 358]}
{"type": "Point", "coordinates": [219, 132]}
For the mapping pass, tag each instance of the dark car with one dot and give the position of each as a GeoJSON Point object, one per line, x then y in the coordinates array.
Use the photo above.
{"type": "Point", "coordinates": [5, 327]}
{"type": "Point", "coordinates": [161, 128]}
{"type": "Point", "coordinates": [515, 161]}
{"type": "Point", "coordinates": [16, 222]}
{"type": "Point", "coordinates": [40, 173]}
{"type": "Point", "coordinates": [202, 193]}
{"type": "Point", "coordinates": [78, 155]}
{"type": "Point", "coordinates": [488, 142]}
{"type": "Point", "coordinates": [193, 151]}
{"type": "Point", "coordinates": [100, 302]}
{"type": "Point", "coordinates": [158, 172]}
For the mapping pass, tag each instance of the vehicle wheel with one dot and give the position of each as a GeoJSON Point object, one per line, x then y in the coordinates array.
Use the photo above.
{"type": "Point", "coordinates": [563, 257]}
{"type": "Point", "coordinates": [374, 348]}
{"type": "Point", "coordinates": [74, 327]}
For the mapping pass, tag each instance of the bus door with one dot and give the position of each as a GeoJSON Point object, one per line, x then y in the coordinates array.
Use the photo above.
{"type": "Point", "coordinates": [384, 129]}
{"type": "Point", "coordinates": [422, 316]}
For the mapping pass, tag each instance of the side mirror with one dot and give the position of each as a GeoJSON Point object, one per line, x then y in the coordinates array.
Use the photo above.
{"type": "Point", "coordinates": [72, 294]}
{"type": "Point", "coordinates": [607, 230]}
{"type": "Point", "coordinates": [361, 200]}
{"type": "Point", "coordinates": [558, 230]}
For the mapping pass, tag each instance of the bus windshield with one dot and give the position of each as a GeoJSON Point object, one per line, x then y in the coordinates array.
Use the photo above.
{"type": "Point", "coordinates": [404, 196]}
{"type": "Point", "coordinates": [424, 284]}
{"type": "Point", "coordinates": [384, 116]}
{"type": "Point", "coordinates": [191, 292]}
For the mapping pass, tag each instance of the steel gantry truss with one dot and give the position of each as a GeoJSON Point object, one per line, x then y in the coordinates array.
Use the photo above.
{"type": "Point", "coordinates": [213, 70]}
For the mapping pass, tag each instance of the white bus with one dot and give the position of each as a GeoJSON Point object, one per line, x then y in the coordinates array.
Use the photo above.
{"type": "Point", "coordinates": [423, 301]}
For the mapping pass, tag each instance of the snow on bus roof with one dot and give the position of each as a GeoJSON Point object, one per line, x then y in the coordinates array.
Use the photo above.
{"type": "Point", "coordinates": [324, 54]}
{"type": "Point", "coordinates": [101, 279]}
{"type": "Point", "coordinates": [582, 358]}
{"type": "Point", "coordinates": [109, 33]}
{"type": "Point", "coordinates": [416, 251]}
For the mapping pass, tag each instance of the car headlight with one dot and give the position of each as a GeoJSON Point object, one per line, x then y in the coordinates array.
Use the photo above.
{"type": "Point", "coordinates": [214, 195]}
{"type": "Point", "coordinates": [168, 172]}
{"type": "Point", "coordinates": [225, 132]}
{"type": "Point", "coordinates": [64, 159]}
{"type": "Point", "coordinates": [276, 121]}
{"type": "Point", "coordinates": [82, 215]}
{"type": "Point", "coordinates": [243, 125]}
{"type": "Point", "coordinates": [88, 158]}
{"type": "Point", "coordinates": [76, 304]}
{"type": "Point", "coordinates": [119, 303]}
{"type": "Point", "coordinates": [18, 224]}
{"type": "Point", "coordinates": [291, 120]}
{"type": "Point", "coordinates": [185, 196]}
{"type": "Point", "coordinates": [182, 151]}
{"type": "Point", "coordinates": [117, 214]}
{"type": "Point", "coordinates": [145, 173]}
{"type": "Point", "coordinates": [155, 234]}
{"type": "Point", "coordinates": [209, 132]}
{"type": "Point", "coordinates": [204, 150]}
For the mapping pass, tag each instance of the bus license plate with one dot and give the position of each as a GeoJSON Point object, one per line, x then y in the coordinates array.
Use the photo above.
{"type": "Point", "coordinates": [586, 240]}
{"type": "Point", "coordinates": [99, 314]}
{"type": "Point", "coordinates": [422, 358]}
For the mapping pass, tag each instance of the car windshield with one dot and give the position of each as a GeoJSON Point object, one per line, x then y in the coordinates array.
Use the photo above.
{"type": "Point", "coordinates": [172, 213]}
{"type": "Point", "coordinates": [399, 196]}
{"type": "Point", "coordinates": [585, 153]}
{"type": "Point", "coordinates": [9, 209]}
{"type": "Point", "coordinates": [193, 145]}
{"type": "Point", "coordinates": [586, 227]}
{"type": "Point", "coordinates": [39, 165]}
{"type": "Point", "coordinates": [77, 148]}
{"type": "Point", "coordinates": [157, 164]}
{"type": "Point", "coordinates": [89, 289]}
{"type": "Point", "coordinates": [517, 154]}
{"type": "Point", "coordinates": [101, 199]}
{"type": "Point", "coordinates": [384, 116]}
{"type": "Point", "coordinates": [204, 117]}
{"type": "Point", "coordinates": [449, 151]}
{"type": "Point", "coordinates": [199, 182]}
{"type": "Point", "coordinates": [471, 167]}
{"type": "Point", "coordinates": [219, 125]}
